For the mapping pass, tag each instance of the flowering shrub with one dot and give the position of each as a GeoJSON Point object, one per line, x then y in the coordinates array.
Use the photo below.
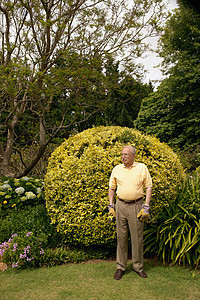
{"type": "Point", "coordinates": [22, 250]}
{"type": "Point", "coordinates": [76, 183]}
{"type": "Point", "coordinates": [15, 192]}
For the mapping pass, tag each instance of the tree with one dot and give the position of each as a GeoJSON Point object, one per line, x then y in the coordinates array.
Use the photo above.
{"type": "Point", "coordinates": [34, 36]}
{"type": "Point", "coordinates": [191, 3]}
{"type": "Point", "coordinates": [172, 112]}
{"type": "Point", "coordinates": [124, 94]}
{"type": "Point", "coordinates": [125, 99]}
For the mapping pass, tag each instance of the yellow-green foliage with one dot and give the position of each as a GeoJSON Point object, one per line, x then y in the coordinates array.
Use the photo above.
{"type": "Point", "coordinates": [76, 183]}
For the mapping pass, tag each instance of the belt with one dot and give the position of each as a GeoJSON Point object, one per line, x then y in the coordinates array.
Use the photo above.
{"type": "Point", "coordinates": [131, 201]}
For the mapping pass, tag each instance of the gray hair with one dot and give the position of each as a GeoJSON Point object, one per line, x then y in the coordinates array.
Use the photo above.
{"type": "Point", "coordinates": [133, 150]}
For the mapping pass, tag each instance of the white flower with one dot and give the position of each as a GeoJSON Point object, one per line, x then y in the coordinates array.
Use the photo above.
{"type": "Point", "coordinates": [6, 186]}
{"type": "Point", "coordinates": [38, 191]}
{"type": "Point", "coordinates": [30, 195]}
{"type": "Point", "coordinates": [25, 178]}
{"type": "Point", "coordinates": [20, 190]}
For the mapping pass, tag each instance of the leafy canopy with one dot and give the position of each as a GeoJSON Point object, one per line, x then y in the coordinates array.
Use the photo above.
{"type": "Point", "coordinates": [38, 35]}
{"type": "Point", "coordinates": [172, 112]}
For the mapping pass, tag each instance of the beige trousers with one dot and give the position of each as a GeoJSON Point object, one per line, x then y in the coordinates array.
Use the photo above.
{"type": "Point", "coordinates": [126, 220]}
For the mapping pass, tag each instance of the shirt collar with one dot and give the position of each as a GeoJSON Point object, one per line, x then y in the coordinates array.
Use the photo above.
{"type": "Point", "coordinates": [133, 165]}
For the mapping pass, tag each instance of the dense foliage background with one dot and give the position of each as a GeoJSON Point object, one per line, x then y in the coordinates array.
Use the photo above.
{"type": "Point", "coordinates": [53, 88]}
{"type": "Point", "coordinates": [172, 112]}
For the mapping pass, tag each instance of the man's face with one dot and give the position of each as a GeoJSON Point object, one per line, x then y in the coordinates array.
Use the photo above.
{"type": "Point", "coordinates": [127, 156]}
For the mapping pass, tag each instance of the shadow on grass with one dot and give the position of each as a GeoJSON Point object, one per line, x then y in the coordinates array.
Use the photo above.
{"type": "Point", "coordinates": [148, 265]}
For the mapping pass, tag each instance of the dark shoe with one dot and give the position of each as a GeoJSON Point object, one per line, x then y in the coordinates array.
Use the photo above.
{"type": "Point", "coordinates": [118, 274]}
{"type": "Point", "coordinates": [142, 274]}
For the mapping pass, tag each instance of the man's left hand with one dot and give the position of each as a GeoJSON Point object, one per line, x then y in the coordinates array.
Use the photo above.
{"type": "Point", "coordinates": [111, 213]}
{"type": "Point", "coordinates": [143, 215]}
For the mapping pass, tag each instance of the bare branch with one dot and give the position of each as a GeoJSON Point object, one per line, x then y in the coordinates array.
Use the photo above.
{"type": "Point", "coordinates": [21, 157]}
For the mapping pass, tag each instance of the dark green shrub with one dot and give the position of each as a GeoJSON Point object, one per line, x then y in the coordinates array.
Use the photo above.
{"type": "Point", "coordinates": [64, 255]}
{"type": "Point", "coordinates": [29, 218]}
{"type": "Point", "coordinates": [22, 208]}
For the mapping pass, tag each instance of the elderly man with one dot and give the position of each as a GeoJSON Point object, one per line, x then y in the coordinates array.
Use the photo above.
{"type": "Point", "coordinates": [128, 180]}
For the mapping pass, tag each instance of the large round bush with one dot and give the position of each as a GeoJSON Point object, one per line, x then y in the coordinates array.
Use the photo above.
{"type": "Point", "coordinates": [76, 183]}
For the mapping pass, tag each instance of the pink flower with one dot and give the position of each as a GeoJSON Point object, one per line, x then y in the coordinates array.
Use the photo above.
{"type": "Point", "coordinates": [29, 233]}
{"type": "Point", "coordinates": [14, 265]}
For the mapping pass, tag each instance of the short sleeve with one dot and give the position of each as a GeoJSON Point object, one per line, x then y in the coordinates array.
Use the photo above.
{"type": "Point", "coordinates": [113, 181]}
{"type": "Point", "coordinates": [147, 178]}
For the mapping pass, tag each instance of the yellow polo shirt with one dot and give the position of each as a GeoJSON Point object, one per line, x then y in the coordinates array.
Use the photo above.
{"type": "Point", "coordinates": [130, 182]}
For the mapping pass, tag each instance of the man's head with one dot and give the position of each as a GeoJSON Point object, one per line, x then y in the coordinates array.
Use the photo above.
{"type": "Point", "coordinates": [128, 156]}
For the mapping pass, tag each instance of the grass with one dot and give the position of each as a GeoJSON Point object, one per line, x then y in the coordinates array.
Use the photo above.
{"type": "Point", "coordinates": [94, 280]}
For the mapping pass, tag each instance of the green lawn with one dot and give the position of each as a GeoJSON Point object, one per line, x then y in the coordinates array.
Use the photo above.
{"type": "Point", "coordinates": [94, 280]}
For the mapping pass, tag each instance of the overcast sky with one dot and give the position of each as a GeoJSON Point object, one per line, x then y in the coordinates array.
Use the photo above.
{"type": "Point", "coordinates": [152, 59]}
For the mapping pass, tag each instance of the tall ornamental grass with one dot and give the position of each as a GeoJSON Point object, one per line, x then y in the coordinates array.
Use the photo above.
{"type": "Point", "coordinates": [173, 235]}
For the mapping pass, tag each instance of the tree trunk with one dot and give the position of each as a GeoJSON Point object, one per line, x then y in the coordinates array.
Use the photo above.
{"type": "Point", "coordinates": [4, 167]}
